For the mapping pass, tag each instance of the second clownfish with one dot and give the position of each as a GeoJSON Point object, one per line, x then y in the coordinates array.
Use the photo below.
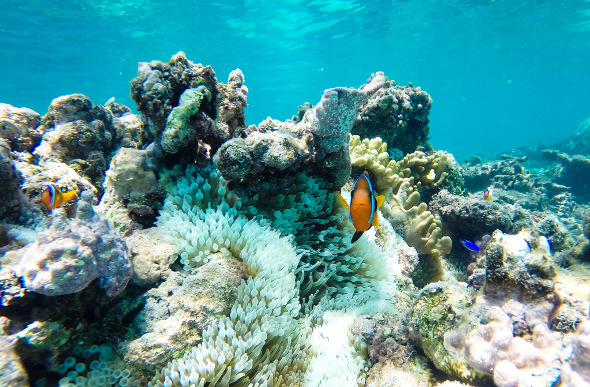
{"type": "Point", "coordinates": [363, 205]}
{"type": "Point", "coordinates": [52, 197]}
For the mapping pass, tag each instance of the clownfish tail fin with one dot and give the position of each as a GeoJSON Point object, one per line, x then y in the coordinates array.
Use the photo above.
{"type": "Point", "coordinates": [356, 236]}
{"type": "Point", "coordinates": [69, 195]}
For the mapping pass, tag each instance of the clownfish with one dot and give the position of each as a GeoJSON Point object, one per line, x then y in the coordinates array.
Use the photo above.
{"type": "Point", "coordinates": [52, 197]}
{"type": "Point", "coordinates": [487, 195]}
{"type": "Point", "coordinates": [363, 206]}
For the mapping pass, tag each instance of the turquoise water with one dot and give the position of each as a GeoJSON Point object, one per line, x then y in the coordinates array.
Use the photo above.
{"type": "Point", "coordinates": [501, 73]}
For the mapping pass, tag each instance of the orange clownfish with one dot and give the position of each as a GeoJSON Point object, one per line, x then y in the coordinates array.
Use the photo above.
{"type": "Point", "coordinates": [52, 197]}
{"type": "Point", "coordinates": [363, 205]}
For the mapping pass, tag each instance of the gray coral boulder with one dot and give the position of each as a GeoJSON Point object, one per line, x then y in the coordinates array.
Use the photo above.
{"type": "Point", "coordinates": [285, 149]}
{"type": "Point", "coordinates": [71, 253]}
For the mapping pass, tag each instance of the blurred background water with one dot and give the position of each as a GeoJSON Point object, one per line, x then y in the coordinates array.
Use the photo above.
{"type": "Point", "coordinates": [501, 73]}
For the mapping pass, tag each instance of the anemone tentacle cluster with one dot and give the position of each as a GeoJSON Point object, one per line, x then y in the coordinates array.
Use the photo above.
{"type": "Point", "coordinates": [265, 338]}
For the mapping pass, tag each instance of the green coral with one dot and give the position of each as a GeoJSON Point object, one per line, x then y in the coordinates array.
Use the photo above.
{"type": "Point", "coordinates": [178, 132]}
{"type": "Point", "coordinates": [439, 309]}
{"type": "Point", "coordinates": [44, 335]}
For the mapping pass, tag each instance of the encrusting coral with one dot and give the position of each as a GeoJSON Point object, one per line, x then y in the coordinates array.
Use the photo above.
{"type": "Point", "coordinates": [178, 131]}
{"type": "Point", "coordinates": [71, 253]}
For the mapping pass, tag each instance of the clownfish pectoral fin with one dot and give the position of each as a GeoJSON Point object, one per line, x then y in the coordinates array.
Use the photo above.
{"type": "Point", "coordinates": [339, 199]}
{"type": "Point", "coordinates": [356, 236]}
{"type": "Point", "coordinates": [375, 221]}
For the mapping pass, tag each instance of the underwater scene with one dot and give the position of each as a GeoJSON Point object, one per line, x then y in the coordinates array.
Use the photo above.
{"type": "Point", "coordinates": [295, 193]}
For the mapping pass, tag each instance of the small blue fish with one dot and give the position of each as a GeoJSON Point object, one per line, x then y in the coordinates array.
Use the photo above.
{"type": "Point", "coordinates": [470, 245]}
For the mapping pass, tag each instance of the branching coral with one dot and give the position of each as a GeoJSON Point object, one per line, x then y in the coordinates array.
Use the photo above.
{"type": "Point", "coordinates": [420, 228]}
{"type": "Point", "coordinates": [371, 154]}
{"type": "Point", "coordinates": [427, 171]}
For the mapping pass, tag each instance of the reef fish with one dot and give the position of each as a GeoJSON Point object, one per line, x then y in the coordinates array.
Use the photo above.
{"type": "Point", "coordinates": [52, 197]}
{"type": "Point", "coordinates": [363, 205]}
{"type": "Point", "coordinates": [469, 245]}
{"type": "Point", "coordinates": [487, 195]}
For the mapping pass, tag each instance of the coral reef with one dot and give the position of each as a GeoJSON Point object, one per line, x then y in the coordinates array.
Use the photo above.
{"type": "Point", "coordinates": [286, 149]}
{"type": "Point", "coordinates": [224, 257]}
{"type": "Point", "coordinates": [77, 133]}
{"type": "Point", "coordinates": [572, 168]}
{"type": "Point", "coordinates": [184, 106]}
{"type": "Point", "coordinates": [399, 114]}
{"type": "Point", "coordinates": [19, 127]}
{"type": "Point", "coordinates": [12, 372]}
{"type": "Point", "coordinates": [71, 253]}
{"type": "Point", "coordinates": [504, 332]}
{"type": "Point", "coordinates": [471, 217]}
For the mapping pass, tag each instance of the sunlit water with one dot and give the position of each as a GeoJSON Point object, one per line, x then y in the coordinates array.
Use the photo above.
{"type": "Point", "coordinates": [501, 73]}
